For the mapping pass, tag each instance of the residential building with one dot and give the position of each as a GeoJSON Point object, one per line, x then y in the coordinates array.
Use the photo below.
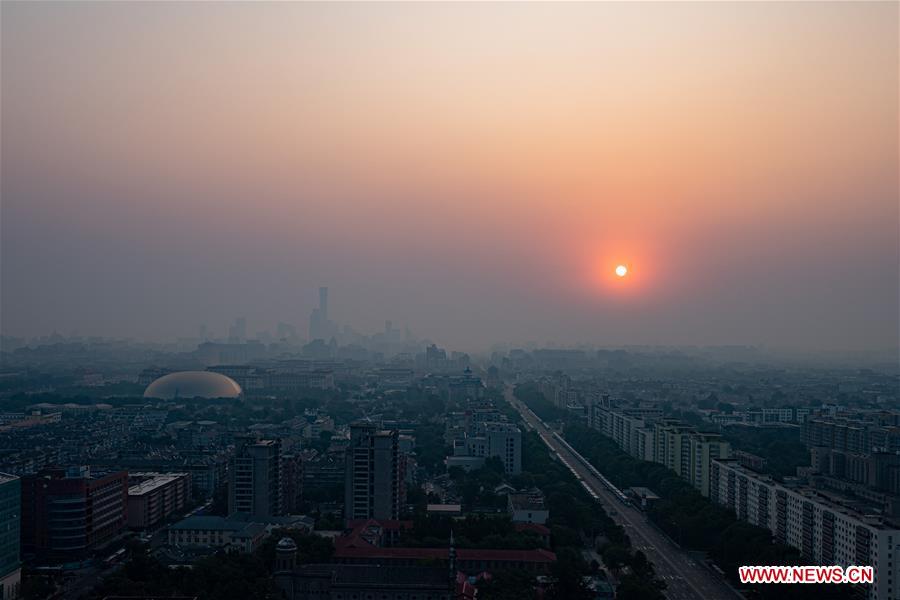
{"type": "Point", "coordinates": [828, 529]}
{"type": "Point", "coordinates": [528, 507]}
{"type": "Point", "coordinates": [322, 471]}
{"type": "Point", "coordinates": [314, 430]}
{"type": "Point", "coordinates": [372, 473]}
{"type": "Point", "coordinates": [642, 432]}
{"type": "Point", "coordinates": [234, 532]}
{"type": "Point", "coordinates": [153, 497]}
{"type": "Point", "coordinates": [291, 482]}
{"type": "Point", "coordinates": [10, 532]}
{"type": "Point", "coordinates": [673, 447]}
{"type": "Point", "coordinates": [490, 439]}
{"type": "Point", "coordinates": [861, 448]}
{"type": "Point", "coordinates": [255, 484]}
{"type": "Point", "coordinates": [705, 447]}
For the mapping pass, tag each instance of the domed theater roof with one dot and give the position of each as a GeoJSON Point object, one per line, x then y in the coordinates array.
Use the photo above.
{"type": "Point", "coordinates": [193, 384]}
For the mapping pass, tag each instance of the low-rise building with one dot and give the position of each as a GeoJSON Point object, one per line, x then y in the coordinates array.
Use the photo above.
{"type": "Point", "coordinates": [337, 582]}
{"type": "Point", "coordinates": [490, 439]}
{"type": "Point", "coordinates": [451, 510]}
{"type": "Point", "coordinates": [218, 532]}
{"type": "Point", "coordinates": [349, 581]}
{"type": "Point", "coordinates": [645, 496]}
{"type": "Point", "coordinates": [527, 508]}
{"type": "Point", "coordinates": [153, 497]}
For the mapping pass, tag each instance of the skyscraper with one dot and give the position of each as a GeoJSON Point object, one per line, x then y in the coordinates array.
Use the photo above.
{"type": "Point", "coordinates": [372, 477]}
{"type": "Point", "coordinates": [320, 328]}
{"type": "Point", "coordinates": [255, 485]}
{"type": "Point", "coordinates": [237, 333]}
{"type": "Point", "coordinates": [10, 521]}
{"type": "Point", "coordinates": [323, 303]}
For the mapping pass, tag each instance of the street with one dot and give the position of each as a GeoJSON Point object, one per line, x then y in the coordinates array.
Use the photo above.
{"type": "Point", "coordinates": [684, 577]}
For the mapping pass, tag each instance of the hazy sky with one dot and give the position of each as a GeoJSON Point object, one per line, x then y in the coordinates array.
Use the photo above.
{"type": "Point", "coordinates": [473, 171]}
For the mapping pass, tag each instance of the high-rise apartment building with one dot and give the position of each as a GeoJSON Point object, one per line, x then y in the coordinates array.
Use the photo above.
{"type": "Point", "coordinates": [255, 479]}
{"type": "Point", "coordinates": [483, 439]}
{"type": "Point", "coordinates": [643, 433]}
{"type": "Point", "coordinates": [860, 449]}
{"type": "Point", "coordinates": [705, 448]}
{"type": "Point", "coordinates": [828, 529]}
{"type": "Point", "coordinates": [10, 527]}
{"type": "Point", "coordinates": [501, 440]}
{"type": "Point", "coordinates": [291, 481]}
{"type": "Point", "coordinates": [372, 475]}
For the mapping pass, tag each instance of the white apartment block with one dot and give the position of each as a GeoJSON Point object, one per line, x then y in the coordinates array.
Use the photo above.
{"type": "Point", "coordinates": [644, 434]}
{"type": "Point", "coordinates": [705, 448]}
{"type": "Point", "coordinates": [826, 529]}
{"type": "Point", "coordinates": [503, 440]}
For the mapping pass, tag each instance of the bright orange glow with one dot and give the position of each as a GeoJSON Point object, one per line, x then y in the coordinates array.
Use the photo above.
{"type": "Point", "coordinates": [602, 278]}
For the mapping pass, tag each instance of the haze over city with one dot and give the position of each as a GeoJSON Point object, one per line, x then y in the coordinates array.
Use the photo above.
{"type": "Point", "coordinates": [449, 300]}
{"type": "Point", "coordinates": [474, 172]}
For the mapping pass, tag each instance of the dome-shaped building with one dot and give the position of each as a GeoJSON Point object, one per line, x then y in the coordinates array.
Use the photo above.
{"type": "Point", "coordinates": [193, 384]}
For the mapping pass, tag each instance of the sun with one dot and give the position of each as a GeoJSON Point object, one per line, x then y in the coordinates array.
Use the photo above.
{"type": "Point", "coordinates": [621, 270]}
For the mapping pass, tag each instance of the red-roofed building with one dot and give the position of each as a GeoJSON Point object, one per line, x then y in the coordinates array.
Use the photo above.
{"type": "Point", "coordinates": [541, 531]}
{"type": "Point", "coordinates": [366, 544]}
{"type": "Point", "coordinates": [363, 533]}
{"type": "Point", "coordinates": [464, 589]}
{"type": "Point", "coordinates": [367, 581]}
{"type": "Point", "coordinates": [468, 560]}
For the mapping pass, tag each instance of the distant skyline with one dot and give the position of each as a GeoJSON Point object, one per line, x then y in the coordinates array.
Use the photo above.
{"type": "Point", "coordinates": [474, 171]}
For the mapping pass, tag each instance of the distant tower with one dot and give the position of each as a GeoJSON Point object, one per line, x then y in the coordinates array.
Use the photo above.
{"type": "Point", "coordinates": [323, 304]}
{"type": "Point", "coordinates": [237, 333]}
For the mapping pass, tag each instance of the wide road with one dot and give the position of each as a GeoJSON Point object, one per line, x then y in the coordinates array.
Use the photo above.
{"type": "Point", "coordinates": [685, 578]}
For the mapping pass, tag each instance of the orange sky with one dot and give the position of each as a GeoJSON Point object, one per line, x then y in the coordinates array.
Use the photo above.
{"type": "Point", "coordinates": [501, 149]}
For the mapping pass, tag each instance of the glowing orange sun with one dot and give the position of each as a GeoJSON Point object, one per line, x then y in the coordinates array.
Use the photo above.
{"type": "Point", "coordinates": [621, 270]}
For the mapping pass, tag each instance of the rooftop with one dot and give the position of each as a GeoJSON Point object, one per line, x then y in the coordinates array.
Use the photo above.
{"type": "Point", "coordinates": [444, 508]}
{"type": "Point", "coordinates": [463, 554]}
{"type": "Point", "coordinates": [375, 576]}
{"type": "Point", "coordinates": [834, 501]}
{"type": "Point", "coordinates": [532, 527]}
{"type": "Point", "coordinates": [208, 523]}
{"type": "Point", "coordinates": [193, 384]}
{"type": "Point", "coordinates": [155, 482]}
{"type": "Point", "coordinates": [526, 502]}
{"type": "Point", "coordinates": [643, 492]}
